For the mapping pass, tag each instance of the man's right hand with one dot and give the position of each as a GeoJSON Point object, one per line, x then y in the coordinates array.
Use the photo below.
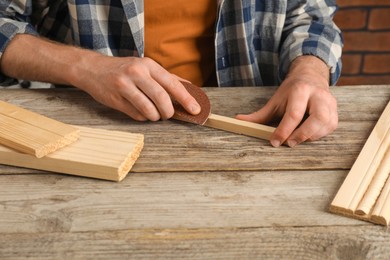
{"type": "Point", "coordinates": [139, 87]}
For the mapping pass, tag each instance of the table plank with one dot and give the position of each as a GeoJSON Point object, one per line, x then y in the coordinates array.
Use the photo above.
{"type": "Point", "coordinates": [59, 203]}
{"type": "Point", "coordinates": [197, 148]}
{"type": "Point", "coordinates": [360, 242]}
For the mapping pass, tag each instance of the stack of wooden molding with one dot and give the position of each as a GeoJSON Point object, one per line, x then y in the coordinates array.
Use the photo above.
{"type": "Point", "coordinates": [34, 141]}
{"type": "Point", "coordinates": [365, 193]}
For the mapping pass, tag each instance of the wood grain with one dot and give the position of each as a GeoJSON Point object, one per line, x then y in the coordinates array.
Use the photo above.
{"type": "Point", "coordinates": [59, 203]}
{"type": "Point", "coordinates": [32, 133]}
{"type": "Point", "coordinates": [199, 193]}
{"type": "Point", "coordinates": [359, 192]}
{"type": "Point", "coordinates": [164, 152]}
{"type": "Point", "coordinates": [205, 243]}
{"type": "Point", "coordinates": [99, 153]}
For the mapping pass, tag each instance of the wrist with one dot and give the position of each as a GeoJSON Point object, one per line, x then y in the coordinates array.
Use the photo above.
{"type": "Point", "coordinates": [80, 72]}
{"type": "Point", "coordinates": [311, 65]}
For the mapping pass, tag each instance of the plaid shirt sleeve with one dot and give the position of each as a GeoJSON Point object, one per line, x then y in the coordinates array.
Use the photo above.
{"type": "Point", "coordinates": [14, 17]}
{"type": "Point", "coordinates": [309, 30]}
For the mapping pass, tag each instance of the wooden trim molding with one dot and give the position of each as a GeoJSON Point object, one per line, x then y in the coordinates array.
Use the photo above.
{"type": "Point", "coordinates": [364, 193]}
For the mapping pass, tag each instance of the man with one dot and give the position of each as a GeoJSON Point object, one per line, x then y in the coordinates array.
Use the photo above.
{"type": "Point", "coordinates": [293, 43]}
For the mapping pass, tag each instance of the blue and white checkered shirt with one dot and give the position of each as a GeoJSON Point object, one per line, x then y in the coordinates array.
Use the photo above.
{"type": "Point", "coordinates": [255, 42]}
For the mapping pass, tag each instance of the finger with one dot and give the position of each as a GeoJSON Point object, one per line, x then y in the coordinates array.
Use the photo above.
{"type": "Point", "coordinates": [173, 86]}
{"type": "Point", "coordinates": [295, 111]}
{"type": "Point", "coordinates": [314, 124]}
{"type": "Point", "coordinates": [126, 107]}
{"type": "Point", "coordinates": [141, 102]}
{"type": "Point", "coordinates": [158, 96]}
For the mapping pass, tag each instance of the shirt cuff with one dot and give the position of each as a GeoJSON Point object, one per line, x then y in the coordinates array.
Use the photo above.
{"type": "Point", "coordinates": [8, 30]}
{"type": "Point", "coordinates": [333, 63]}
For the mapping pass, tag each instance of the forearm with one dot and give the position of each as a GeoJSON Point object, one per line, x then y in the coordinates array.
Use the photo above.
{"type": "Point", "coordinates": [31, 58]}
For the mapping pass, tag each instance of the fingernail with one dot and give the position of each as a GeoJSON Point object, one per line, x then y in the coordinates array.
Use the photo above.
{"type": "Point", "coordinates": [195, 109]}
{"type": "Point", "coordinates": [292, 143]}
{"type": "Point", "coordinates": [275, 143]}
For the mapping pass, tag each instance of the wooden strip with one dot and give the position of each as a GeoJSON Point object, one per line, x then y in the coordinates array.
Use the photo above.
{"type": "Point", "coordinates": [31, 133]}
{"type": "Point", "coordinates": [374, 190]}
{"type": "Point", "coordinates": [369, 176]}
{"type": "Point", "coordinates": [381, 212]}
{"type": "Point", "coordinates": [361, 175]}
{"type": "Point", "coordinates": [239, 126]}
{"type": "Point", "coordinates": [98, 153]}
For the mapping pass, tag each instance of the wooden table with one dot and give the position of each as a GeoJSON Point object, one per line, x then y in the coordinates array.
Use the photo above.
{"type": "Point", "coordinates": [195, 192]}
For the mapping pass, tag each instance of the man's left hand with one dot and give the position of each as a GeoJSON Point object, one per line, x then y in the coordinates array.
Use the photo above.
{"type": "Point", "coordinates": [304, 91]}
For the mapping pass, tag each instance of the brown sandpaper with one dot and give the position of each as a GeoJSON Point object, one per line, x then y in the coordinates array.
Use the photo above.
{"type": "Point", "coordinates": [204, 102]}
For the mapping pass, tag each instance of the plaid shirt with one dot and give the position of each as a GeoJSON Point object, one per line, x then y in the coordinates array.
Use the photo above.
{"type": "Point", "coordinates": [255, 42]}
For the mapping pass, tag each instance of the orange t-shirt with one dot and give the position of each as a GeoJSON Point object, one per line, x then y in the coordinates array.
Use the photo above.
{"type": "Point", "coordinates": [179, 35]}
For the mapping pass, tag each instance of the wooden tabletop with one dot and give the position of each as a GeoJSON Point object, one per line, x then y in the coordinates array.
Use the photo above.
{"type": "Point", "coordinates": [195, 192]}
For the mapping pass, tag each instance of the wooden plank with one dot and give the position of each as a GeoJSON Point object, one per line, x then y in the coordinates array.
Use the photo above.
{"type": "Point", "coordinates": [360, 242]}
{"type": "Point", "coordinates": [213, 148]}
{"type": "Point", "coordinates": [239, 126]}
{"type": "Point", "coordinates": [57, 203]}
{"type": "Point", "coordinates": [358, 194]}
{"type": "Point", "coordinates": [32, 133]}
{"type": "Point", "coordinates": [98, 154]}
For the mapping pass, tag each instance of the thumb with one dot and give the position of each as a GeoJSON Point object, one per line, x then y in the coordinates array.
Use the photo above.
{"type": "Point", "coordinates": [262, 116]}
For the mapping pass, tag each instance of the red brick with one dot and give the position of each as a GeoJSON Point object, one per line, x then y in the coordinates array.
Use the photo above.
{"type": "Point", "coordinates": [343, 3]}
{"type": "Point", "coordinates": [351, 64]}
{"type": "Point", "coordinates": [364, 80]}
{"type": "Point", "coordinates": [367, 41]}
{"type": "Point", "coordinates": [351, 18]}
{"type": "Point", "coordinates": [379, 19]}
{"type": "Point", "coordinates": [377, 63]}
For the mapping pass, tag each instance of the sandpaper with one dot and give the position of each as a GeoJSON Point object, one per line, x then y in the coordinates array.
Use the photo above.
{"type": "Point", "coordinates": [202, 99]}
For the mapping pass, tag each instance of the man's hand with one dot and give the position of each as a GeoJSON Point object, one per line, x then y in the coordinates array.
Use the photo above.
{"type": "Point", "coordinates": [139, 87]}
{"type": "Point", "coordinates": [305, 90]}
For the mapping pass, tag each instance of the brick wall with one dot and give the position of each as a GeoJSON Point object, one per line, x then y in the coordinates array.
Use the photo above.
{"type": "Point", "coordinates": [366, 29]}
